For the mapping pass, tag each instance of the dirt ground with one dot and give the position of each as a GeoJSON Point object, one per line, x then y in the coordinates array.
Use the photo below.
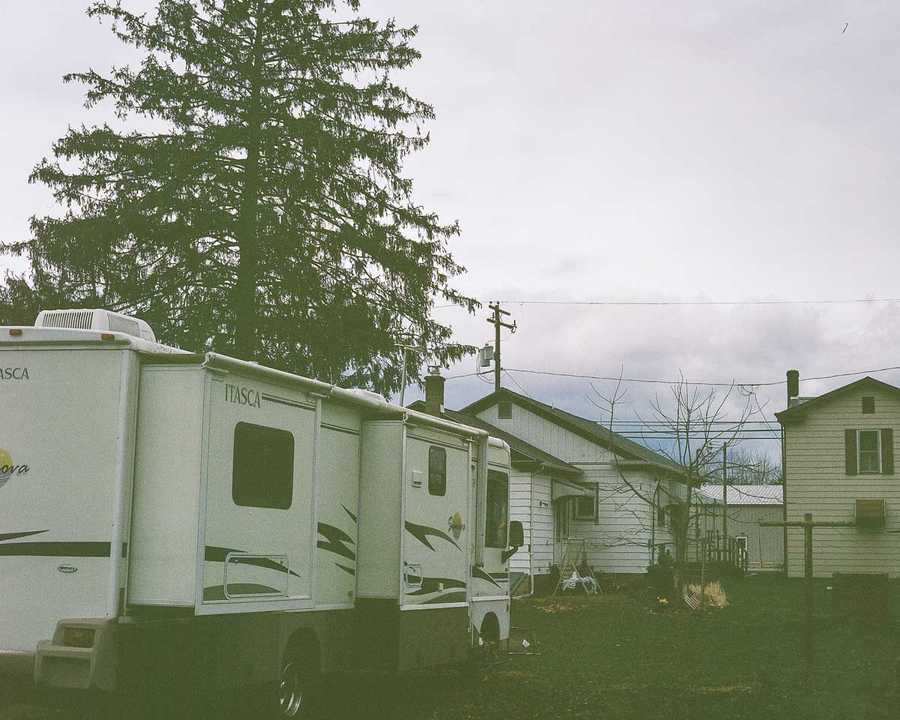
{"type": "Point", "coordinates": [623, 655]}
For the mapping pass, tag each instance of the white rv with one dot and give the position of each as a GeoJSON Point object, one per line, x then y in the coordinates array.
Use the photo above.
{"type": "Point", "coordinates": [192, 517]}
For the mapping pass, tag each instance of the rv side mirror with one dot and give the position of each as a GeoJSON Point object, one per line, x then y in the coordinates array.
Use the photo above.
{"type": "Point", "coordinates": [516, 534]}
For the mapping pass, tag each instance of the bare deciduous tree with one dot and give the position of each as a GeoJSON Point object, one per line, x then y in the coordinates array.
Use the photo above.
{"type": "Point", "coordinates": [688, 427]}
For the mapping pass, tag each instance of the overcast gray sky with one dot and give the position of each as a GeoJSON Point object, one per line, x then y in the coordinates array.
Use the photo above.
{"type": "Point", "coordinates": [717, 150]}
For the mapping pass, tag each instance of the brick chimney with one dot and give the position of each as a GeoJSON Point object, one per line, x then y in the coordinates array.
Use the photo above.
{"type": "Point", "coordinates": [434, 391]}
{"type": "Point", "coordinates": [793, 385]}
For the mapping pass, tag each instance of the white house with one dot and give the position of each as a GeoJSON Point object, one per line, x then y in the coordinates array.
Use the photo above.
{"type": "Point", "coordinates": [745, 507]}
{"type": "Point", "coordinates": [538, 482]}
{"type": "Point", "coordinates": [625, 517]}
{"type": "Point", "coordinates": [838, 454]}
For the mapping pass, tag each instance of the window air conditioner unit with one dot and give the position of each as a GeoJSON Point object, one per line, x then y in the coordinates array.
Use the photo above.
{"type": "Point", "coordinates": [870, 514]}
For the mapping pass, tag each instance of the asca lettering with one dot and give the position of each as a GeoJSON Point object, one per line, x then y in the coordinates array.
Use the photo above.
{"type": "Point", "coordinates": [240, 395]}
{"type": "Point", "coordinates": [8, 373]}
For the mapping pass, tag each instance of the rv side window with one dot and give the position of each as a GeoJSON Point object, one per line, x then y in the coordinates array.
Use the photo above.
{"type": "Point", "coordinates": [263, 469]}
{"type": "Point", "coordinates": [437, 471]}
{"type": "Point", "coordinates": [497, 504]}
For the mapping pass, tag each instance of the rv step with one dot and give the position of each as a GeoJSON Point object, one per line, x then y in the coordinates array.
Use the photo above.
{"type": "Point", "coordinates": [62, 666]}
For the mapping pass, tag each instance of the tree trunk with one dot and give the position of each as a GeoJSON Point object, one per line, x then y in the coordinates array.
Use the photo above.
{"type": "Point", "coordinates": [245, 291]}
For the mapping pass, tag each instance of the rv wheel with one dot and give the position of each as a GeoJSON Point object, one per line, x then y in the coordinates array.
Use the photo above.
{"type": "Point", "coordinates": [297, 686]}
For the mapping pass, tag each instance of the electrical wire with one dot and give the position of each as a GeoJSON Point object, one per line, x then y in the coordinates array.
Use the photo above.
{"type": "Point", "coordinates": [779, 301]}
{"type": "Point", "coordinates": [516, 382]}
{"type": "Point", "coordinates": [663, 303]}
{"type": "Point", "coordinates": [734, 383]}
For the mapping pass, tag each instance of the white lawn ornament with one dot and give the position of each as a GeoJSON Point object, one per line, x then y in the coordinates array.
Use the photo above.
{"type": "Point", "coordinates": [588, 583]}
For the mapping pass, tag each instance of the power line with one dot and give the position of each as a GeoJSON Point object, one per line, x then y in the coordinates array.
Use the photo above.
{"type": "Point", "coordinates": [734, 383]}
{"type": "Point", "coordinates": [516, 382]}
{"type": "Point", "coordinates": [643, 380]}
{"type": "Point", "coordinates": [652, 303]}
{"type": "Point", "coordinates": [663, 303]}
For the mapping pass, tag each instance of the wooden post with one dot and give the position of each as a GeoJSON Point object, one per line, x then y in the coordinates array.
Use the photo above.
{"type": "Point", "coordinates": [725, 489]}
{"type": "Point", "coordinates": [807, 524]}
{"type": "Point", "coordinates": [702, 590]}
{"type": "Point", "coordinates": [808, 574]}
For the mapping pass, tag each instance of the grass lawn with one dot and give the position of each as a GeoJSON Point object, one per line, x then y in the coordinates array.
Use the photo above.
{"type": "Point", "coordinates": [616, 656]}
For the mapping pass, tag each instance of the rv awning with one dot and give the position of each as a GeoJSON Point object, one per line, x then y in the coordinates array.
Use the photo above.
{"type": "Point", "coordinates": [562, 488]}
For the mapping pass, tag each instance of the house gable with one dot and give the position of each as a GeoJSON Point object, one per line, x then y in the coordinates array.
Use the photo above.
{"type": "Point", "coordinates": [573, 438]}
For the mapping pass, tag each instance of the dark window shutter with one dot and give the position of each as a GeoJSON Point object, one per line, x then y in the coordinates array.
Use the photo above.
{"type": "Point", "coordinates": [887, 451]}
{"type": "Point", "coordinates": [850, 451]}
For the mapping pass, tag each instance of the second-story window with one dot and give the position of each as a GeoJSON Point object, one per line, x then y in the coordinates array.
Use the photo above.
{"type": "Point", "coordinates": [869, 450]}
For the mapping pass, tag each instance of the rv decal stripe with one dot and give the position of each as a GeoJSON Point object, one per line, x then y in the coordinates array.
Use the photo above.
{"type": "Point", "coordinates": [217, 592]}
{"type": "Point", "coordinates": [56, 549]}
{"type": "Point", "coordinates": [352, 516]}
{"type": "Point", "coordinates": [346, 569]}
{"type": "Point", "coordinates": [218, 554]}
{"type": "Point", "coordinates": [13, 536]}
{"type": "Point", "coordinates": [421, 533]}
{"type": "Point", "coordinates": [433, 585]}
{"type": "Point", "coordinates": [335, 541]}
{"type": "Point", "coordinates": [447, 598]}
{"type": "Point", "coordinates": [481, 574]}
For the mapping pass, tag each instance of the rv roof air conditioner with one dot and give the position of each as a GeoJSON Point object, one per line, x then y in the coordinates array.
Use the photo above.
{"type": "Point", "coordinates": [95, 320]}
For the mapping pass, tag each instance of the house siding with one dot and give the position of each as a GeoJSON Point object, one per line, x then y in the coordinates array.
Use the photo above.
{"type": "Point", "coordinates": [530, 503]}
{"type": "Point", "coordinates": [621, 538]}
{"type": "Point", "coordinates": [816, 482]}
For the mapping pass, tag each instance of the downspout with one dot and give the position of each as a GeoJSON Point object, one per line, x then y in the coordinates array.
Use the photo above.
{"type": "Point", "coordinates": [793, 391]}
{"type": "Point", "coordinates": [784, 512]}
{"type": "Point", "coordinates": [531, 535]}
{"type": "Point", "coordinates": [653, 523]}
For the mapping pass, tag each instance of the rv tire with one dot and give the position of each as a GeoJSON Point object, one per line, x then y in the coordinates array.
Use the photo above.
{"type": "Point", "coordinates": [295, 695]}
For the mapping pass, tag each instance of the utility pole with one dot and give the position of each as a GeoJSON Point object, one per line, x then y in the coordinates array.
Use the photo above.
{"type": "Point", "coordinates": [497, 322]}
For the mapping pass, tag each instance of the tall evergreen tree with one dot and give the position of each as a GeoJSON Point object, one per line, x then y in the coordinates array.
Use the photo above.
{"type": "Point", "coordinates": [265, 213]}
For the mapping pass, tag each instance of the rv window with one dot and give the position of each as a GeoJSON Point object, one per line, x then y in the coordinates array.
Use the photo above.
{"type": "Point", "coordinates": [497, 509]}
{"type": "Point", "coordinates": [437, 471]}
{"type": "Point", "coordinates": [263, 467]}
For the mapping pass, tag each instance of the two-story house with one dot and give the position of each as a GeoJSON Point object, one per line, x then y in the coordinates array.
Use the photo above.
{"type": "Point", "coordinates": [838, 455]}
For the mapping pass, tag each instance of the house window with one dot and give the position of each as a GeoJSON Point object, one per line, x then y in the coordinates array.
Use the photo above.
{"type": "Point", "coordinates": [868, 405]}
{"type": "Point", "coordinates": [869, 451]}
{"type": "Point", "coordinates": [504, 410]}
{"type": "Point", "coordinates": [561, 515]}
{"type": "Point", "coordinates": [586, 507]}
{"type": "Point", "coordinates": [262, 472]}
{"type": "Point", "coordinates": [660, 515]}
{"type": "Point", "coordinates": [437, 471]}
{"type": "Point", "coordinates": [497, 509]}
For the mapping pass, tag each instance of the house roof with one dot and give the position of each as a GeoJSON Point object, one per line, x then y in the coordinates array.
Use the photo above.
{"type": "Point", "coordinates": [800, 406]}
{"type": "Point", "coordinates": [744, 494]}
{"type": "Point", "coordinates": [522, 453]}
{"type": "Point", "coordinates": [590, 430]}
